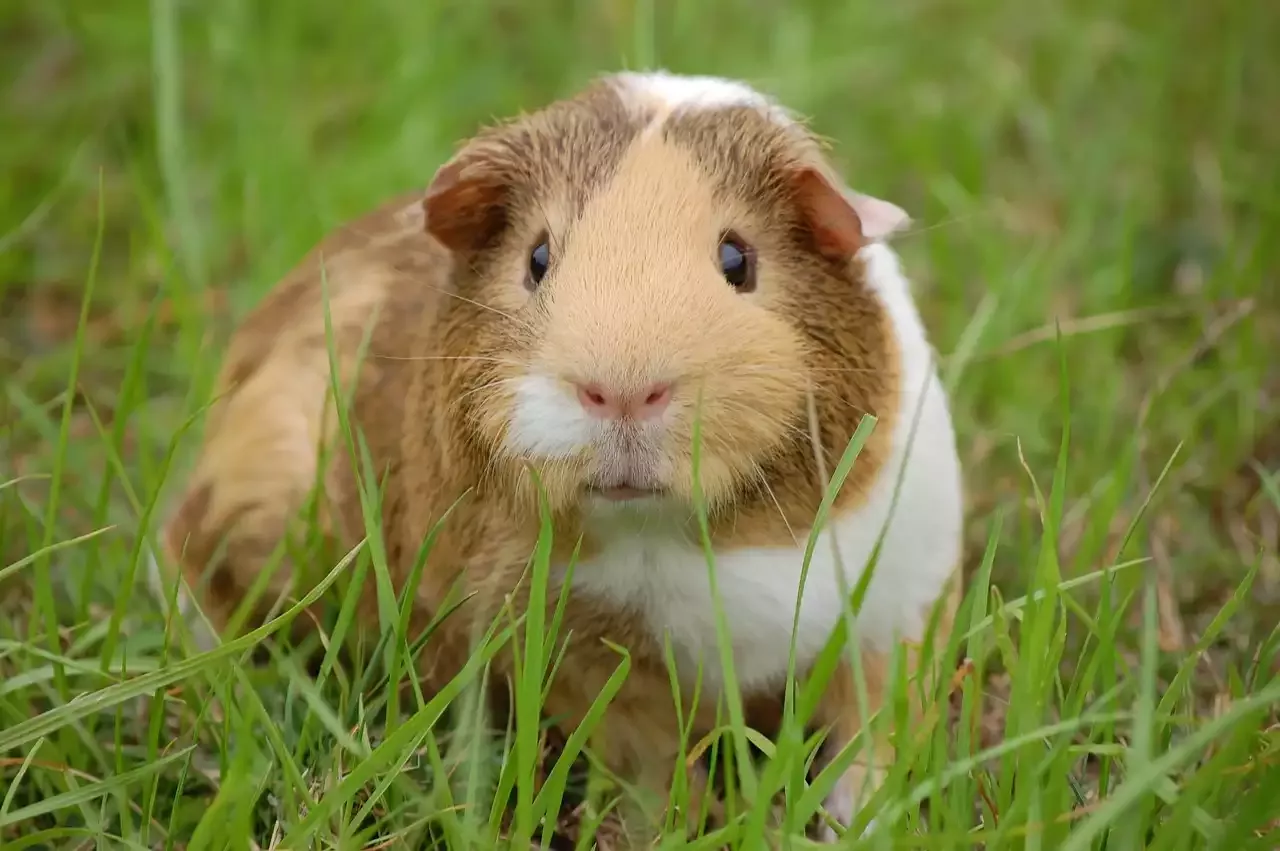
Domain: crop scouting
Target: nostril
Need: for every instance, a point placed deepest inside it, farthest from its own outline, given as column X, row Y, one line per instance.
column 592, row 397
column 652, row 402
column 646, row 404
column 658, row 396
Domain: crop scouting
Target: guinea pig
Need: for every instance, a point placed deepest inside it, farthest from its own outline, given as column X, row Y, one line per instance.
column 574, row 290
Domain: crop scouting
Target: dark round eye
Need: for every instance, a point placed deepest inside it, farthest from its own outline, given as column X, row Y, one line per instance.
column 737, row 263
column 539, row 259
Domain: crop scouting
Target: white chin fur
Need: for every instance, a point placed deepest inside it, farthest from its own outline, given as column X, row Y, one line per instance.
column 547, row 421
column 657, row 571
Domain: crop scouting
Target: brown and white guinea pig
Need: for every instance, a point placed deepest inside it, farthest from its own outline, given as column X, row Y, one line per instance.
column 573, row 288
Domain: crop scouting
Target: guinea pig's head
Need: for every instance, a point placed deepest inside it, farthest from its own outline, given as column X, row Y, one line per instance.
column 654, row 259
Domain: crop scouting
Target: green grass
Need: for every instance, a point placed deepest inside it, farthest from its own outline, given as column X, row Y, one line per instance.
column 1096, row 198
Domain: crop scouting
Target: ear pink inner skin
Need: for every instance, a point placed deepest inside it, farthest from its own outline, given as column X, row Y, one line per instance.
column 880, row 219
column 842, row 219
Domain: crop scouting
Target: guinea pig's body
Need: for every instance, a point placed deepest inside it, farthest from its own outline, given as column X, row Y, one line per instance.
column 574, row 290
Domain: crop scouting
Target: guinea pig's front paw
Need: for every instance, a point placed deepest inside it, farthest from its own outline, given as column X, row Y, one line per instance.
column 842, row 805
column 161, row 588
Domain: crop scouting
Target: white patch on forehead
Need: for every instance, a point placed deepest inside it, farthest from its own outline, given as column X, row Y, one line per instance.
column 675, row 92
column 547, row 421
column 693, row 91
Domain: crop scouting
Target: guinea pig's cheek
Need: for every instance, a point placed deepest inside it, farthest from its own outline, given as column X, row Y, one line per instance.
column 546, row 420
column 716, row 478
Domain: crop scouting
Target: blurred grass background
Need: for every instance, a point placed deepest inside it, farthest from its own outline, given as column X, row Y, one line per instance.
column 1107, row 166
column 1103, row 170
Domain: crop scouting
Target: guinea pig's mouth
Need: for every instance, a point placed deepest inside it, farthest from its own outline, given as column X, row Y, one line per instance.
column 627, row 468
column 623, row 492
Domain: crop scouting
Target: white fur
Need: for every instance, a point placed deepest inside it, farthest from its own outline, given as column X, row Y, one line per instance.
column 679, row 92
column 880, row 219
column 161, row 586
column 648, row 568
column 547, row 421
column 693, row 91
column 843, row 804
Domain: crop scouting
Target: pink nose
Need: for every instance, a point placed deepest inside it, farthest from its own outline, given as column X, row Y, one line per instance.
column 602, row 402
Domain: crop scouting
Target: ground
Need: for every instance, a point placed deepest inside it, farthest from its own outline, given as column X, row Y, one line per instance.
column 1095, row 193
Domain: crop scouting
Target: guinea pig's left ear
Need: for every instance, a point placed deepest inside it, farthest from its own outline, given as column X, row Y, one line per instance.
column 465, row 202
column 841, row 220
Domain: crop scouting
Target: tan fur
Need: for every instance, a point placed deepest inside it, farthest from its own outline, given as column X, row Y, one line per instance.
column 450, row 326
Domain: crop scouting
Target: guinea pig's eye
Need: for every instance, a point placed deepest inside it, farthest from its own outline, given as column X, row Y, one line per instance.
column 737, row 263
column 539, row 260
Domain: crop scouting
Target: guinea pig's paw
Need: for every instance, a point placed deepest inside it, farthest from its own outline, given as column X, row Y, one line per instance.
column 828, row 836
column 842, row 805
column 160, row 586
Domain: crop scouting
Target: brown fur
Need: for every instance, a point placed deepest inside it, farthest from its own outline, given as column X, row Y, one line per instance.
column 448, row 321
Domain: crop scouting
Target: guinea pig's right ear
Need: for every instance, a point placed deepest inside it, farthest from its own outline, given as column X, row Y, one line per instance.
column 841, row 220
column 465, row 204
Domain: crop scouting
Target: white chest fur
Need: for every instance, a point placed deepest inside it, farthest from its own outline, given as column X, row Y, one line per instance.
column 665, row 580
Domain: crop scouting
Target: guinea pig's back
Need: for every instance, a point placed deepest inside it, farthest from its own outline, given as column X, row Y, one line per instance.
column 271, row 419
column 349, row 275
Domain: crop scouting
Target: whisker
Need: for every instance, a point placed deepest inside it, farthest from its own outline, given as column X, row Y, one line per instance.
column 737, row 406
column 491, row 463
column 772, row 496
column 950, row 221
column 757, row 369
column 557, row 247
column 477, row 358
column 517, row 320
column 794, row 431
column 819, row 458
column 484, row 306
column 488, row 385
column 858, row 408
column 836, row 370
